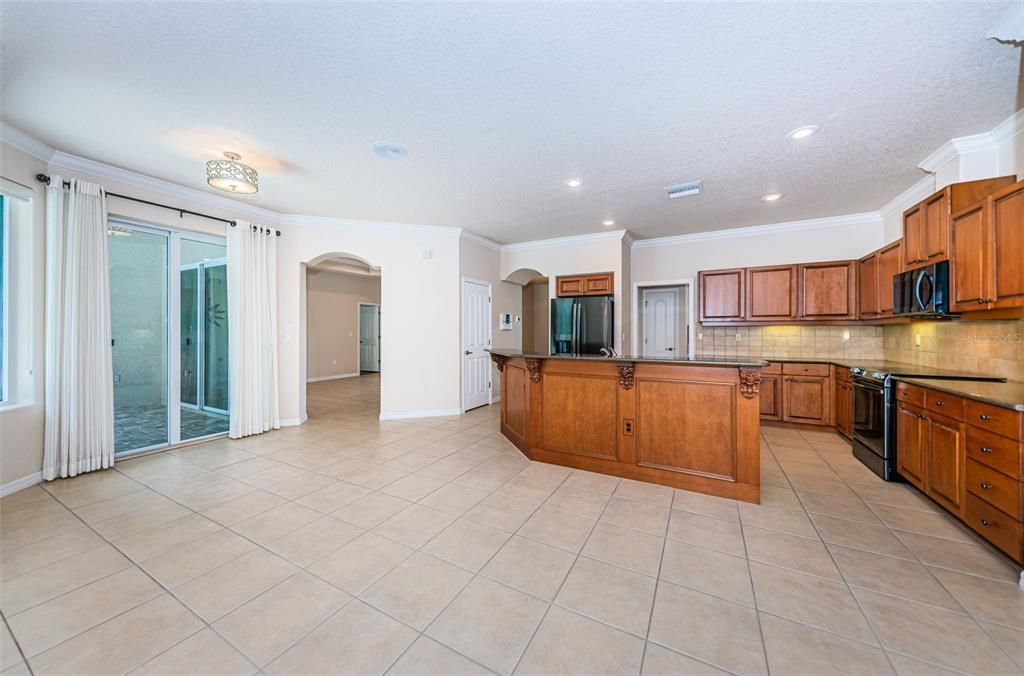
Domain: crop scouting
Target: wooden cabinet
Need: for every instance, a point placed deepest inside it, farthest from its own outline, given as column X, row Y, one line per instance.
column 771, row 397
column 828, row 290
column 910, row 437
column 844, row 407
column 946, row 458
column 927, row 226
column 890, row 264
column 722, row 295
column 585, row 285
column 987, row 241
column 867, row 286
column 771, row 293
column 806, row 399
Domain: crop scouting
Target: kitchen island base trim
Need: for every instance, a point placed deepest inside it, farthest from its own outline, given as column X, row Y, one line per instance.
column 689, row 425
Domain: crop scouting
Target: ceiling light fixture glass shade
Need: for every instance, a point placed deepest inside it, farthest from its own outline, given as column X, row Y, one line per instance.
column 230, row 175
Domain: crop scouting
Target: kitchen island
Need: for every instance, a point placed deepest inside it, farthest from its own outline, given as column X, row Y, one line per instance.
column 691, row 424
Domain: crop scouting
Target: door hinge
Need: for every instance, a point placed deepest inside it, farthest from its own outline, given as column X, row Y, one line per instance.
column 488, row 386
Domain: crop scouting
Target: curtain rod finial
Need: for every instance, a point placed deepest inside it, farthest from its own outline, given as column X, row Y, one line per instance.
column 43, row 178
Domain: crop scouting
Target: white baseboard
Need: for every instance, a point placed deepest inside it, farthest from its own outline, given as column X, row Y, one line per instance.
column 337, row 377
column 435, row 413
column 292, row 422
column 19, row 484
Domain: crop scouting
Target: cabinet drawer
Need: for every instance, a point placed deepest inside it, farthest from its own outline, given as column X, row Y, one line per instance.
column 946, row 404
column 798, row 369
column 843, row 374
column 995, row 488
column 774, row 369
column 995, row 451
column 910, row 394
column 994, row 418
column 995, row 526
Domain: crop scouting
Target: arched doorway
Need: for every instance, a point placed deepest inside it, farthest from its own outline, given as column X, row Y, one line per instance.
column 536, row 309
column 342, row 358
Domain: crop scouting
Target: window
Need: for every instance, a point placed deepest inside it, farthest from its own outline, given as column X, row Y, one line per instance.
column 4, row 284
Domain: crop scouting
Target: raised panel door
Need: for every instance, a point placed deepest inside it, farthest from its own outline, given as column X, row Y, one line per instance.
column 935, row 226
column 844, row 408
column 721, row 295
column 890, row 263
column 913, row 237
column 770, row 397
column 909, row 446
column 771, row 292
column 828, row 291
column 867, row 285
column 597, row 285
column 970, row 259
column 570, row 286
column 585, row 419
column 805, row 399
column 946, row 461
column 1007, row 215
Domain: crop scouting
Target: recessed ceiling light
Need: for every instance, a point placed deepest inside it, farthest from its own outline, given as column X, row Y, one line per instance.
column 609, row 223
column 771, row 197
column 574, row 183
column 802, row 132
column 389, row 151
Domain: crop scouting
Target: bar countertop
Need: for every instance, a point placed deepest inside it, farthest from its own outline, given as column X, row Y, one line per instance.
column 696, row 361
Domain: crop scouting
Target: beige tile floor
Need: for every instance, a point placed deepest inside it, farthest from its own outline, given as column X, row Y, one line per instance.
column 353, row 546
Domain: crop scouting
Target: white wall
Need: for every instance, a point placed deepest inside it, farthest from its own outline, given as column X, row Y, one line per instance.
column 332, row 321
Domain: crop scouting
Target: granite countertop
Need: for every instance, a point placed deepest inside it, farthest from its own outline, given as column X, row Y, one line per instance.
column 1008, row 394
column 704, row 361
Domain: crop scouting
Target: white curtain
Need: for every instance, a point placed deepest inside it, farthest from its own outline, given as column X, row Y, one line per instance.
column 252, row 322
column 79, row 380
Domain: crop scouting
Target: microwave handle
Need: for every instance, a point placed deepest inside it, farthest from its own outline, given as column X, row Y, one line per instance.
column 917, row 289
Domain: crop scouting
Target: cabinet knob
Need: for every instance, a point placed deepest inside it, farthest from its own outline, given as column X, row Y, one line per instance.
column 985, row 486
column 940, row 403
column 986, row 449
column 986, row 523
column 985, row 417
column 981, row 301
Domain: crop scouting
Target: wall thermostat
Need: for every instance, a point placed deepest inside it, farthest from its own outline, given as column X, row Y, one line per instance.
column 505, row 321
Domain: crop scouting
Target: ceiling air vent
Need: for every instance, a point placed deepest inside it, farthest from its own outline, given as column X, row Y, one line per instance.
column 683, row 189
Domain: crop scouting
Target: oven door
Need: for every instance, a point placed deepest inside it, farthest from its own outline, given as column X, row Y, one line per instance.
column 869, row 433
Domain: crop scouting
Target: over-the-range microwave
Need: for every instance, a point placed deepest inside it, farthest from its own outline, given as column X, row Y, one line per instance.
column 922, row 292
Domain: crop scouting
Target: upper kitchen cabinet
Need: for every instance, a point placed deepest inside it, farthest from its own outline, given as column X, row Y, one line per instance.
column 722, row 295
column 828, row 290
column 771, row 293
column 867, row 286
column 927, row 226
column 600, row 284
column 987, row 246
column 874, row 280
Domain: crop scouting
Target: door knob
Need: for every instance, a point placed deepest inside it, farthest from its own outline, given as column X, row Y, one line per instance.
column 469, row 351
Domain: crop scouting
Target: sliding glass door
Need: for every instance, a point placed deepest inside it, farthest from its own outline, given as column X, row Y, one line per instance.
column 168, row 294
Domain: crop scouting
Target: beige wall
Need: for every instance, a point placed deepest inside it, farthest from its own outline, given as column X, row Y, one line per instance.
column 21, row 419
column 991, row 348
column 332, row 321
column 536, row 314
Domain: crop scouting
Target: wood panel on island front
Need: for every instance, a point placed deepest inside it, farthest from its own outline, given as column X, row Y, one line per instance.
column 691, row 425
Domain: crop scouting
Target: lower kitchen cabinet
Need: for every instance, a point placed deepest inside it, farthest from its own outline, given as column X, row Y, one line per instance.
column 805, row 399
column 844, row 408
column 910, row 436
column 771, row 397
column 946, row 462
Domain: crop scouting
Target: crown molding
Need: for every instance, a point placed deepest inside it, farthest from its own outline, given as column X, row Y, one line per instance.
column 25, row 143
column 924, row 187
column 1008, row 128
column 865, row 218
column 565, row 241
column 330, row 221
column 480, row 240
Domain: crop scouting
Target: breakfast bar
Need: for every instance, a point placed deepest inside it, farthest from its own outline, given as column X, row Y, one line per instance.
column 691, row 424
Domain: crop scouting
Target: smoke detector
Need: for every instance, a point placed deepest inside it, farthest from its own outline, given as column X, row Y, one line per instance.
column 684, row 189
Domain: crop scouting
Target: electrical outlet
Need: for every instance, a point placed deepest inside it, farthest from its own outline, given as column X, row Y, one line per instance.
column 917, row 340
column 846, row 336
column 738, row 337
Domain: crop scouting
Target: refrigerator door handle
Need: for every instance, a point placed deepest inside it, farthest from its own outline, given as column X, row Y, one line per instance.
column 583, row 328
column 574, row 347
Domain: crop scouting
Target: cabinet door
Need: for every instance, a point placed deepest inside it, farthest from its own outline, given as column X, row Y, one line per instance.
column 598, row 285
column 867, row 286
column 805, row 400
column 771, row 292
column 972, row 271
column 909, row 445
column 935, row 224
column 946, row 458
column 913, row 237
column 770, row 398
column 570, row 286
column 721, row 295
column 1007, row 226
column 843, row 408
column 828, row 290
column 890, row 264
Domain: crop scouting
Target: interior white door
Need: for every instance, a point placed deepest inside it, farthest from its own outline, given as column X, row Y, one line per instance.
column 369, row 338
column 660, row 322
column 476, row 363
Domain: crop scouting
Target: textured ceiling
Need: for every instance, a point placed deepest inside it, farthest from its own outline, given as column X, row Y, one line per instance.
column 498, row 104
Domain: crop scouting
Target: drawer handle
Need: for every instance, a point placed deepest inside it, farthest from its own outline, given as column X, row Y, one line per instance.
column 986, row 449
column 940, row 403
column 985, row 486
column 986, row 523
column 985, row 417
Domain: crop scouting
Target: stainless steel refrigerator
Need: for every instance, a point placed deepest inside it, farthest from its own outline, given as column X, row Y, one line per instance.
column 582, row 325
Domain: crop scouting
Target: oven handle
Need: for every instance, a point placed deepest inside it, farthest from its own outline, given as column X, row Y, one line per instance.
column 868, row 385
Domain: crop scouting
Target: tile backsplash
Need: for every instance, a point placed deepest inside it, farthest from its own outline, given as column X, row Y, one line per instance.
column 991, row 348
column 780, row 342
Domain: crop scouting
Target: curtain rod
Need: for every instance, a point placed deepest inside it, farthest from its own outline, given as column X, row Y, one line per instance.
column 43, row 178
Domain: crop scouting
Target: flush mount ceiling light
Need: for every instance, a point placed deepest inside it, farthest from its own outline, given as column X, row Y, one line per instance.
column 230, row 175
column 574, row 183
column 389, row 151
column 802, row 132
column 609, row 223
column 771, row 197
